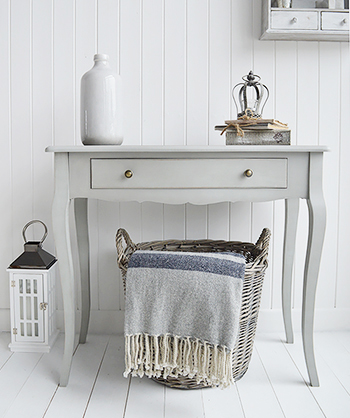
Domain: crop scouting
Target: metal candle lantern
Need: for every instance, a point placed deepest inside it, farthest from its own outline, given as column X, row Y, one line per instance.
column 32, row 297
column 249, row 97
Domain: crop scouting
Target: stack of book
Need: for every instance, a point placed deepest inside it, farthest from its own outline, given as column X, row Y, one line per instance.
column 251, row 131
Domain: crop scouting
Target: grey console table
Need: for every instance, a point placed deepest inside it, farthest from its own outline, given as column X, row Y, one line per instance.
column 204, row 175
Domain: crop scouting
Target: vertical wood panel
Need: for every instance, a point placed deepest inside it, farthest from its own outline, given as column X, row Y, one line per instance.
column 42, row 116
column 196, row 221
column 174, row 71
column 152, row 72
column 130, row 69
column 242, row 20
column 218, row 221
column 108, row 28
column 108, row 274
column 174, row 222
column 343, row 282
column 130, row 219
column 329, row 134
column 85, row 48
column 197, row 72
column 264, row 61
column 219, row 94
column 308, row 94
column 262, row 217
column 6, row 253
column 285, row 83
column 240, row 221
column 151, row 221
column 21, row 119
column 64, row 72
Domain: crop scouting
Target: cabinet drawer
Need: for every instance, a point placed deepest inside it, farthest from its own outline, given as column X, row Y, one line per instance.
column 335, row 21
column 294, row 20
column 188, row 173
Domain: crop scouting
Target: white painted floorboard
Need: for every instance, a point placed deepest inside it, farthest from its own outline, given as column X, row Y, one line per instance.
column 275, row 385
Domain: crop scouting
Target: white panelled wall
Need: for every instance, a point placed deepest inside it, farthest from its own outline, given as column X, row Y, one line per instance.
column 179, row 60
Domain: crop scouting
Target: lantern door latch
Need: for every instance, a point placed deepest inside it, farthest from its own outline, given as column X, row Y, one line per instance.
column 43, row 306
column 14, row 331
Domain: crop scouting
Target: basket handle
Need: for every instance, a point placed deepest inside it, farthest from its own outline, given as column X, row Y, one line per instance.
column 263, row 242
column 123, row 254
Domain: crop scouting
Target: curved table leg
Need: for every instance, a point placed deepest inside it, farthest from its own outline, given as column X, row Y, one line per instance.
column 317, row 225
column 290, row 229
column 60, row 223
column 81, row 224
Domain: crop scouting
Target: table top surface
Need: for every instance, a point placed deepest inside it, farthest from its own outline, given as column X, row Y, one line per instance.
column 185, row 149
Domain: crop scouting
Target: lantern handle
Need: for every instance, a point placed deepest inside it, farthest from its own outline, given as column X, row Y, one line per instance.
column 33, row 222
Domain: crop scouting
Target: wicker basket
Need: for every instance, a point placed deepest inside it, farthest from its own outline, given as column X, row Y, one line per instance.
column 256, row 264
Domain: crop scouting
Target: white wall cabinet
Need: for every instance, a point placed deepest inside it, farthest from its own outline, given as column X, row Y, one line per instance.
column 304, row 24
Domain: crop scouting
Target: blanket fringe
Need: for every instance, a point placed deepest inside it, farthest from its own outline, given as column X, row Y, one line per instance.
column 172, row 356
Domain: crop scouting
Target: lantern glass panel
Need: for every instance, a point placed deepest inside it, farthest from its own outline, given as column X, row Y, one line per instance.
column 28, row 287
column 29, row 329
column 29, row 307
column 36, row 329
column 21, row 286
column 21, row 308
column 35, row 308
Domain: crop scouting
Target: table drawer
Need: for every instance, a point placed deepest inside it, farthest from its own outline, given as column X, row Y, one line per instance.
column 335, row 21
column 188, row 173
column 294, row 20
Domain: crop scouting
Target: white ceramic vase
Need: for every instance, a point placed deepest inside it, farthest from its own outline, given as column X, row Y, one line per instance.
column 101, row 104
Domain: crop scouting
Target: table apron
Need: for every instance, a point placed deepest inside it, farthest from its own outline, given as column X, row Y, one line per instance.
column 87, row 171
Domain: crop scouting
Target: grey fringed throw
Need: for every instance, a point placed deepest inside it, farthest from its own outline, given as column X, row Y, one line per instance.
column 182, row 314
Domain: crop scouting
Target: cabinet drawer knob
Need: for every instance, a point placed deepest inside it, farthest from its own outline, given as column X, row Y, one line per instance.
column 294, row 20
column 344, row 21
column 248, row 173
column 128, row 174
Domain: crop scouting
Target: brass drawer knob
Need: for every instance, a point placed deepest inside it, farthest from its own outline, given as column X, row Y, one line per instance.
column 248, row 173
column 128, row 174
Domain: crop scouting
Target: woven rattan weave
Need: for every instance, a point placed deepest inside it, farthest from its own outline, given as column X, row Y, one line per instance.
column 256, row 264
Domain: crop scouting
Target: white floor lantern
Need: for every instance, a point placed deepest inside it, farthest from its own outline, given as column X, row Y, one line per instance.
column 32, row 297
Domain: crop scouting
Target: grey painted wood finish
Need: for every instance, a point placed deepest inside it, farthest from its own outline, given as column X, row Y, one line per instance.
column 290, row 230
column 81, row 225
column 299, row 167
column 317, row 225
column 60, row 225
